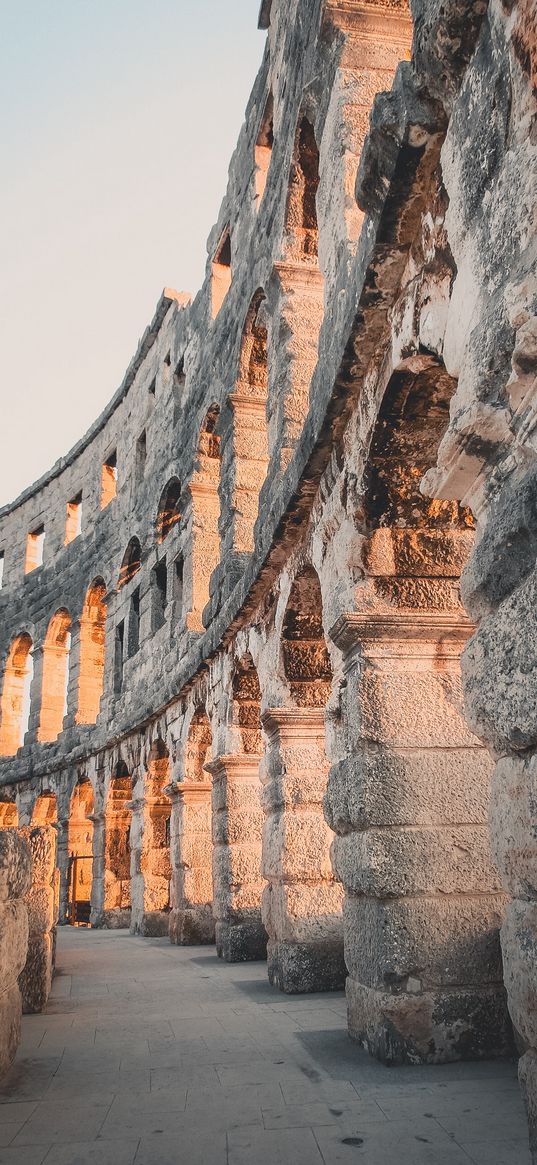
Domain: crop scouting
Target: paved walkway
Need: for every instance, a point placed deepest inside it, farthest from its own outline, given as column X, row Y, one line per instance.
column 156, row 1055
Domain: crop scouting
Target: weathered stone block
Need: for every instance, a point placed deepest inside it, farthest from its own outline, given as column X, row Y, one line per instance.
column 386, row 863
column 35, row 980
column 15, row 865
column 519, row 945
column 513, row 817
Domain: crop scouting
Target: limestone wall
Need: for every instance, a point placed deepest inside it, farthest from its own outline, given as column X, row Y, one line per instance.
column 41, row 899
column 15, row 878
column 260, row 625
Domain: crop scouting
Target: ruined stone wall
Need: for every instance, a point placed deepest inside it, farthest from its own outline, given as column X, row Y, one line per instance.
column 280, row 756
column 15, row 878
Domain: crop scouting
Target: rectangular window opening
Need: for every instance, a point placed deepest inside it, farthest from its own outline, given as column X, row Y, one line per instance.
column 118, row 656
column 134, row 623
column 141, row 457
column 73, row 522
column 159, row 594
column 35, row 545
column 177, row 584
column 109, row 479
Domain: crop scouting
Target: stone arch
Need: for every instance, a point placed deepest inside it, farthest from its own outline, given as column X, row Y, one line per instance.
column 192, row 906
column 56, row 653
column 92, row 653
column 423, row 778
column 9, row 815
column 45, row 810
column 117, row 849
column 131, row 562
column 204, row 492
column 248, row 456
column 15, row 703
column 301, row 228
column 168, row 513
column 303, row 903
column 80, row 848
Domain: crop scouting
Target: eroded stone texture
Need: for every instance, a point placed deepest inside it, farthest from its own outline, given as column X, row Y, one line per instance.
column 252, row 505
column 41, row 900
column 15, row 881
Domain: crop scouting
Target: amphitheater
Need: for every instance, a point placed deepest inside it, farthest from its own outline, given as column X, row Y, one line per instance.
column 266, row 630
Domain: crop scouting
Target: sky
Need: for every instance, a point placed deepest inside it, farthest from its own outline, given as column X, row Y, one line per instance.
column 118, row 119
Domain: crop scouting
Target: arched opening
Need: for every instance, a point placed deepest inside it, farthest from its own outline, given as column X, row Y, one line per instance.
column 248, row 467
column 80, row 848
column 92, row 652
column 117, row 850
column 131, row 563
column 412, row 420
column 204, row 488
column 45, row 810
column 168, row 514
column 301, row 230
column 247, row 704
column 305, row 655
column 15, row 705
column 302, row 909
column 221, row 272
column 192, row 903
column 56, row 649
column 9, row 817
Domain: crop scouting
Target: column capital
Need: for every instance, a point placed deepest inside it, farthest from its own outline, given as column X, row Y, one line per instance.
column 293, row 722
column 237, row 765
column 293, row 275
column 390, row 632
column 188, row 791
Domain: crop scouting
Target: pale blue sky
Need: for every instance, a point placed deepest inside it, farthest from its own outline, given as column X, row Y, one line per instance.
column 118, row 119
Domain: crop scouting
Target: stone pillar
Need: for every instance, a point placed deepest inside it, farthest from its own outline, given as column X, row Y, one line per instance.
column 296, row 340
column 97, row 870
column 35, row 980
column 409, row 804
column 237, row 832
column 150, row 867
column 15, row 879
column 204, row 545
column 191, row 918
column 62, row 862
column 302, row 903
column 116, row 912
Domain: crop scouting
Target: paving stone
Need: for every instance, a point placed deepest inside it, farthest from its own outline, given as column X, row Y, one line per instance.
column 93, row 1153
column 288, row 1147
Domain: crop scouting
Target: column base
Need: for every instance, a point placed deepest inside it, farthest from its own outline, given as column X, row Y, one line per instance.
column 151, row 924
column 241, row 942
column 436, row 1027
column 117, row 918
column 192, row 927
column 304, row 967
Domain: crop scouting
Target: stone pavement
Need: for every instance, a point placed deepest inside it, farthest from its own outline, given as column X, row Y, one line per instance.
column 159, row 1055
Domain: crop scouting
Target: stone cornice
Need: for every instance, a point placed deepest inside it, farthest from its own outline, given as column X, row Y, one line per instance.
column 236, row 765
column 188, row 791
column 370, row 21
column 295, row 721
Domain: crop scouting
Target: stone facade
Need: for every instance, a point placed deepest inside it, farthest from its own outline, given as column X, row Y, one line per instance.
column 235, row 684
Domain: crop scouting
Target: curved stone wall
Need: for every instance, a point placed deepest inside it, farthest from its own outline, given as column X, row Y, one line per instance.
column 246, row 711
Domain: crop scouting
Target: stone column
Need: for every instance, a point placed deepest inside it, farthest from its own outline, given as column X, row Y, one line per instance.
column 150, row 867
column 62, row 862
column 302, row 903
column 97, row 870
column 191, row 918
column 409, row 803
column 35, row 980
column 237, row 831
column 15, row 880
column 296, row 340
